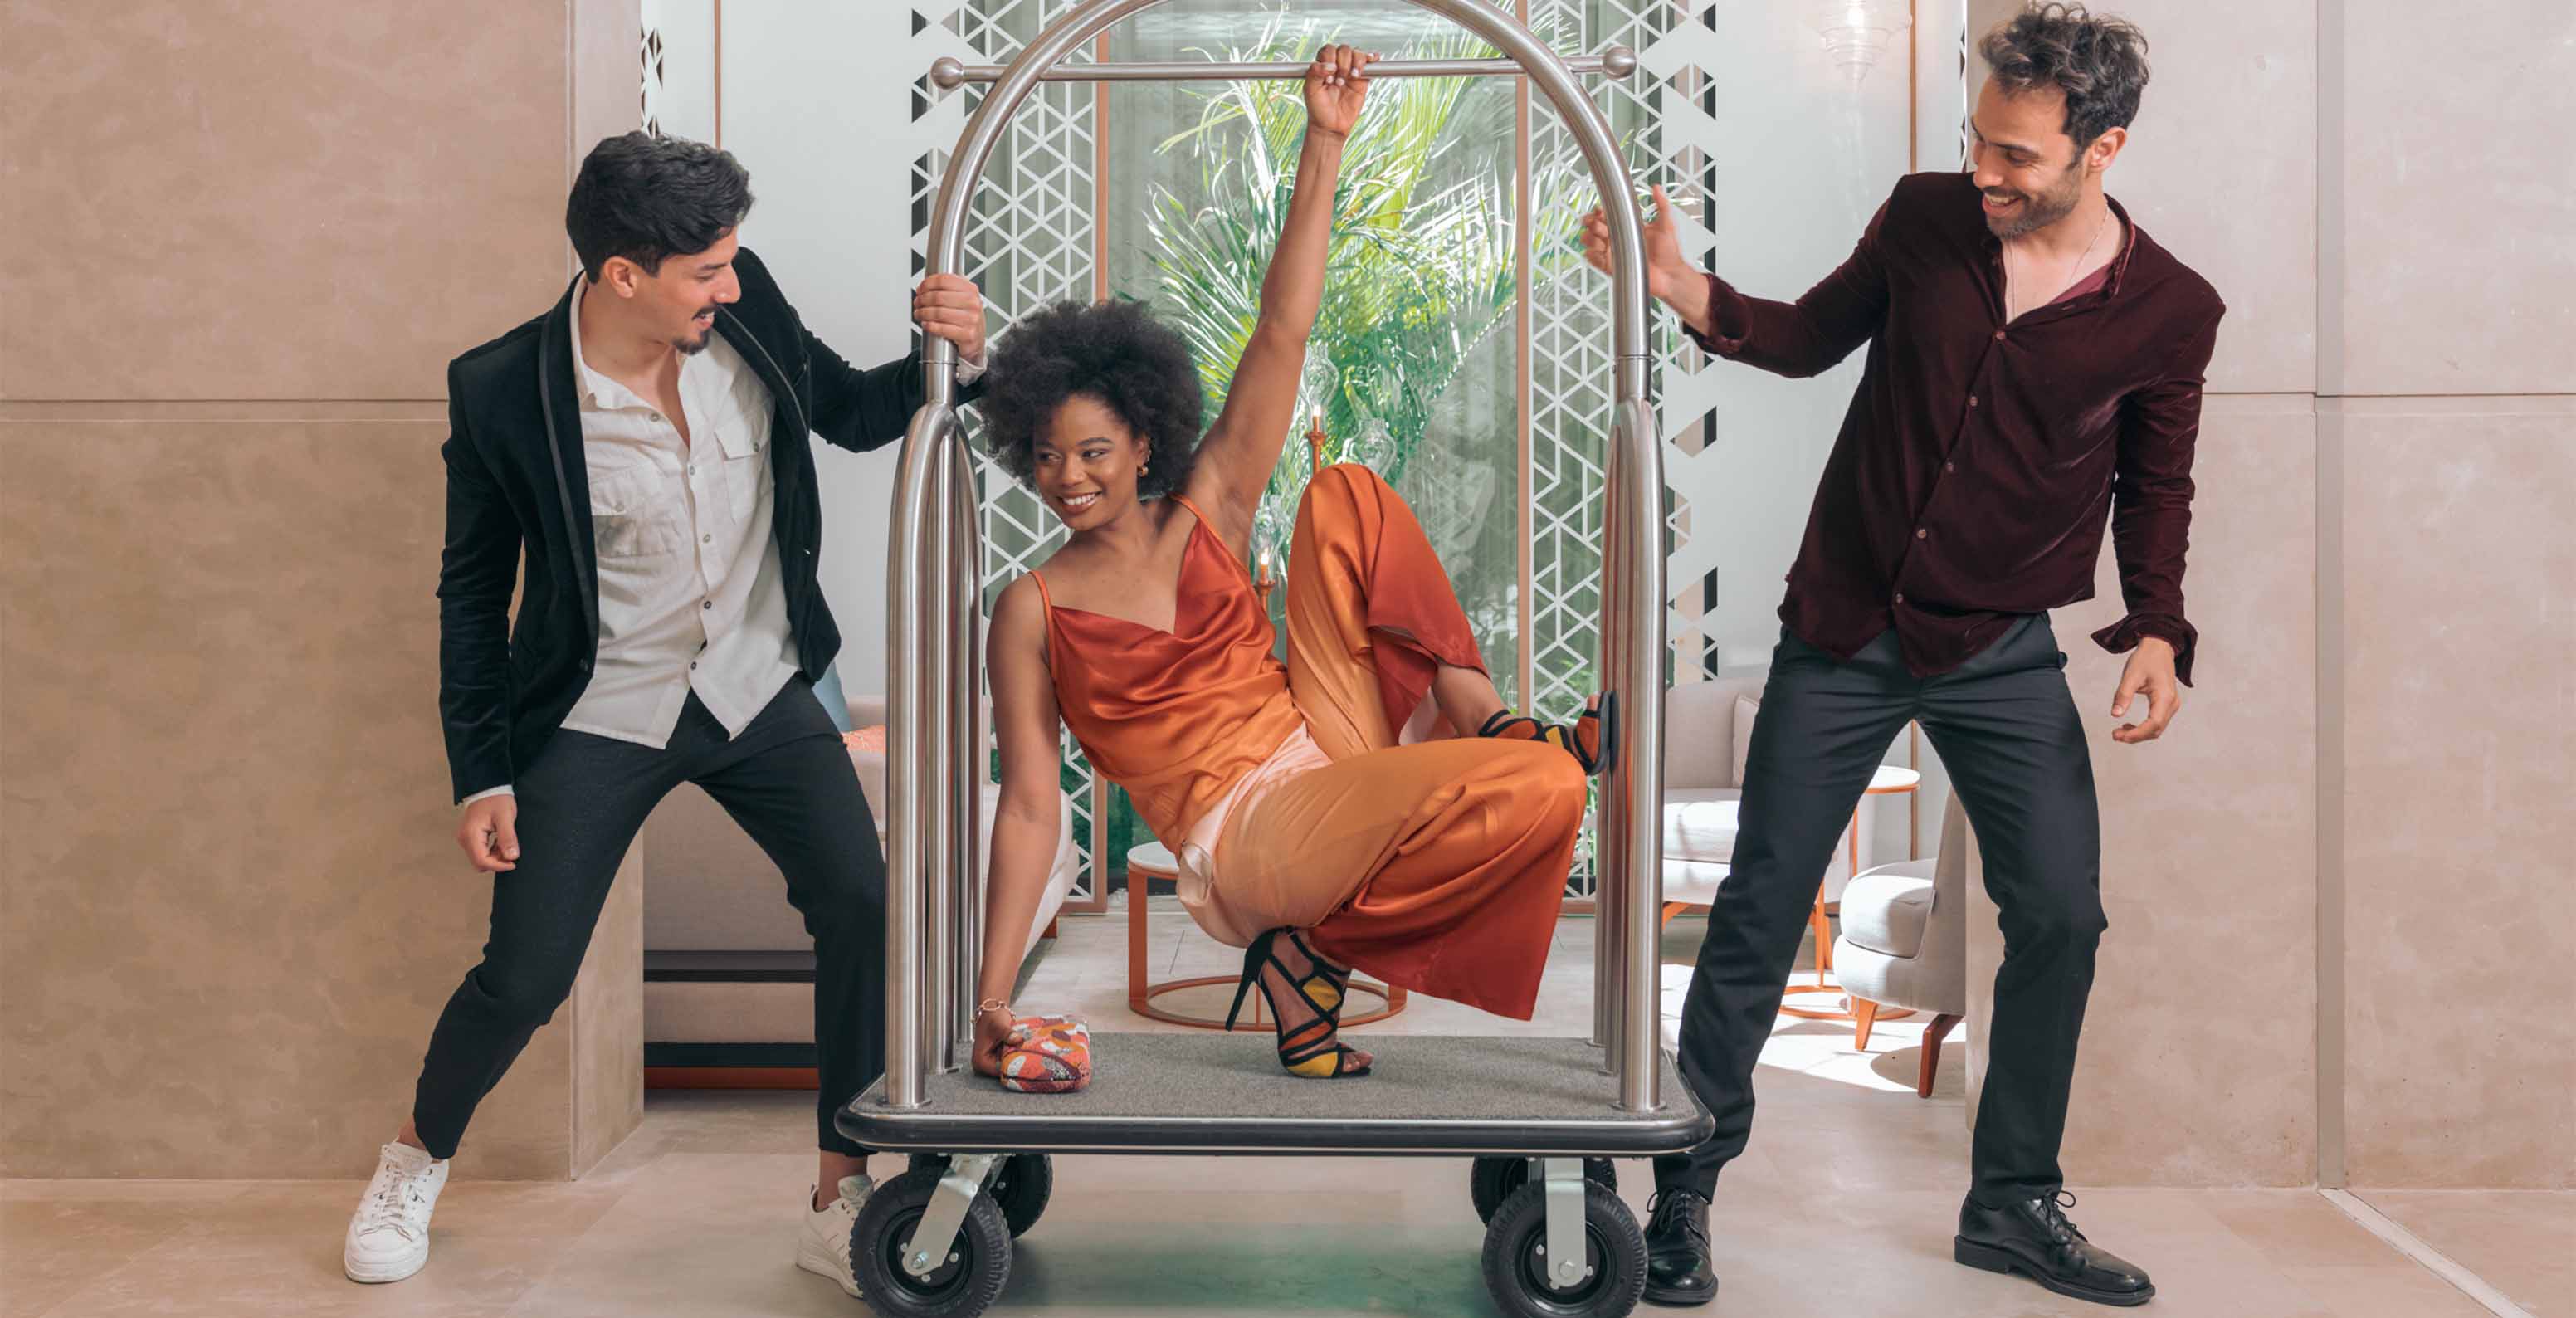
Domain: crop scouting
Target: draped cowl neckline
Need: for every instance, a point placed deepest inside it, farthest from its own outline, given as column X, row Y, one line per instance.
column 1175, row 715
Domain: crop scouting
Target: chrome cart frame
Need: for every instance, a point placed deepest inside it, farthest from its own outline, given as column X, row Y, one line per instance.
column 929, row 1101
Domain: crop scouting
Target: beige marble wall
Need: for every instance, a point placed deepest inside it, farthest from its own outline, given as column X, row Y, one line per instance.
column 230, row 905
column 2449, row 264
column 2198, row 1060
column 2459, row 194
column 2459, row 568
column 2221, row 168
column 274, row 199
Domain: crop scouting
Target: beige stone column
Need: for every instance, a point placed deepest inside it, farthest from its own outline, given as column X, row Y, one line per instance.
column 244, row 242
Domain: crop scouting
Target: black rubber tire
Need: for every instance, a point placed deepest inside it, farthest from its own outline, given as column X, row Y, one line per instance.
column 1614, row 1258
column 1022, row 1187
column 979, row 1260
column 1492, row 1180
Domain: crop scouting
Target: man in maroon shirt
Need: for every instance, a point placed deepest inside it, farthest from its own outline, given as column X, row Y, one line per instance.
column 2035, row 363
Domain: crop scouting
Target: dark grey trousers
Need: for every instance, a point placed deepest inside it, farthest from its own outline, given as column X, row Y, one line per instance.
column 787, row 780
column 2007, row 730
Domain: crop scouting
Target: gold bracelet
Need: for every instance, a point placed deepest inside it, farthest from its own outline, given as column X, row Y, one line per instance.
column 992, row 1004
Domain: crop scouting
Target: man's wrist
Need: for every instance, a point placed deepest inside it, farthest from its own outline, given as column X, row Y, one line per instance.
column 1687, row 295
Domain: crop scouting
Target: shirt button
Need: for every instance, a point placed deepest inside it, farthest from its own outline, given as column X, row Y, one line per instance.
column 1949, row 466
column 693, row 667
column 1900, row 597
column 1972, row 400
column 655, row 415
column 1999, row 336
column 1920, row 533
column 706, row 604
column 706, row 539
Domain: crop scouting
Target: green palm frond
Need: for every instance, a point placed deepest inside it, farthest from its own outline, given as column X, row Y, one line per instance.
column 1422, row 267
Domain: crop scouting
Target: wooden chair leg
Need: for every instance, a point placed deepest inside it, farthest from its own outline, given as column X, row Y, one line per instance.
column 1864, row 1015
column 1824, row 942
column 1051, row 931
column 1933, row 1034
column 1671, row 909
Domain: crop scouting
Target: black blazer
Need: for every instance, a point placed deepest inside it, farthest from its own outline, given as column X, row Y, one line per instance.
column 516, row 480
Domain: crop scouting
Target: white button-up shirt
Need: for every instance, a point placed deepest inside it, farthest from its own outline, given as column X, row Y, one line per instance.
column 690, row 592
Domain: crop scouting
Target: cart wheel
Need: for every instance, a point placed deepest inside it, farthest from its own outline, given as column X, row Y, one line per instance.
column 963, row 1285
column 1022, row 1187
column 1492, row 1180
column 1516, row 1262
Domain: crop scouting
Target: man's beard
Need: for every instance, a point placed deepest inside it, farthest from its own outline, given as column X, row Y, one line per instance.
column 2042, row 210
column 692, row 347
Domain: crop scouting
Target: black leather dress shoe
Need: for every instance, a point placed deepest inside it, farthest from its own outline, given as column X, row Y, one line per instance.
column 1677, row 1266
column 2033, row 1237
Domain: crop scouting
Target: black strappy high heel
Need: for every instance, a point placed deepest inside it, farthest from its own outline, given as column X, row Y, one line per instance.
column 1598, row 725
column 1310, row 1050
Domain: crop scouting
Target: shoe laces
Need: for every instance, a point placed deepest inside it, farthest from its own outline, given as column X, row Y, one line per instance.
column 394, row 1201
column 1668, row 1210
column 2052, row 1215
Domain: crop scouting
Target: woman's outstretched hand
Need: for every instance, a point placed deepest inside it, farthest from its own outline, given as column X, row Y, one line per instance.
column 1335, row 86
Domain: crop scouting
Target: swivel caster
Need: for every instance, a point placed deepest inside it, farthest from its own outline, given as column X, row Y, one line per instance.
column 1022, row 1185
column 958, row 1277
column 1492, row 1180
column 1597, row 1270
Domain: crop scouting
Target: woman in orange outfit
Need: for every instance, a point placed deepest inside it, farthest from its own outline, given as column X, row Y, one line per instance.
column 1324, row 813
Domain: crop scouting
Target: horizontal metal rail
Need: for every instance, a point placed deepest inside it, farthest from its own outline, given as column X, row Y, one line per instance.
column 1614, row 62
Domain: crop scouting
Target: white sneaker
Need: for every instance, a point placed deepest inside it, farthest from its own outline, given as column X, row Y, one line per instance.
column 824, row 1245
column 389, row 1237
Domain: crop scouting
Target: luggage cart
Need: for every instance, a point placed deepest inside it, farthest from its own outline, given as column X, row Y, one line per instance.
column 1541, row 1117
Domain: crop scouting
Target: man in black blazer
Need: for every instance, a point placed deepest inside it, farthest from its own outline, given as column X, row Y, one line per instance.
column 641, row 451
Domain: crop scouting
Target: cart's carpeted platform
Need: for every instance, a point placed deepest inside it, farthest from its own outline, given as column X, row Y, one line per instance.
column 1210, row 1092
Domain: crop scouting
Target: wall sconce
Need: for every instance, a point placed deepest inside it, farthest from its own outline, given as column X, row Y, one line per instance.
column 1856, row 31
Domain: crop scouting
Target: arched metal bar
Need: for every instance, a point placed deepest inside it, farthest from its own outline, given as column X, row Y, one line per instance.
column 932, row 577
column 947, row 72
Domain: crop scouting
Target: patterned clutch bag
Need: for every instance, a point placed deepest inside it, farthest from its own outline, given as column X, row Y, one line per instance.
column 1047, row 1055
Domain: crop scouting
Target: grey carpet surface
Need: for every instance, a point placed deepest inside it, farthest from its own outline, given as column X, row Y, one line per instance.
column 1417, row 1077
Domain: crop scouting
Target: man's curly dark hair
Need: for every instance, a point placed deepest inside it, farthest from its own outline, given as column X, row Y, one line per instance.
column 2099, row 64
column 1115, row 352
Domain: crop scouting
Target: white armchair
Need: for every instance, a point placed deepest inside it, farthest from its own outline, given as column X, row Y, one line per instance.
column 1705, row 736
column 1905, row 942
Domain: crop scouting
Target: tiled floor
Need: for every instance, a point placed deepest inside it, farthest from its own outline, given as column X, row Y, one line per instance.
column 1840, row 1207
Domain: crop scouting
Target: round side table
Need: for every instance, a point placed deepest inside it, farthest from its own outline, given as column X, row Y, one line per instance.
column 1154, row 861
column 1889, row 780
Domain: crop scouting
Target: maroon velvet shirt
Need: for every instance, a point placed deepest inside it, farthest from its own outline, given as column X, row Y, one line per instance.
column 1974, row 472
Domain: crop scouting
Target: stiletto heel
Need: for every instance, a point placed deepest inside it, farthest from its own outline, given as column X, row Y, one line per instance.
column 1255, row 957
column 1310, row 1050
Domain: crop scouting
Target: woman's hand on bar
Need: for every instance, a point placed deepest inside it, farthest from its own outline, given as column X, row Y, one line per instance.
column 1336, row 84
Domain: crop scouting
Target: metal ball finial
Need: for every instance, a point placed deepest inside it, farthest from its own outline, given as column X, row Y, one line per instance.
column 948, row 71
column 1618, row 61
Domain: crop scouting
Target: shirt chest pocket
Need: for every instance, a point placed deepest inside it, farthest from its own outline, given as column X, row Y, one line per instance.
column 635, row 515
column 742, row 435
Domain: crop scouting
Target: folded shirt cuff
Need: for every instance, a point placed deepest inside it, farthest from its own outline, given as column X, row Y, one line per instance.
column 1728, row 314
column 2122, row 637
column 502, row 790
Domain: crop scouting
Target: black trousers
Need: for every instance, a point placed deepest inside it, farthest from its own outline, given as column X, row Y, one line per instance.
column 787, row 780
column 2007, row 730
